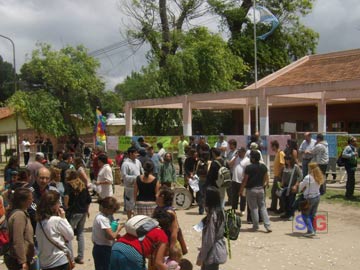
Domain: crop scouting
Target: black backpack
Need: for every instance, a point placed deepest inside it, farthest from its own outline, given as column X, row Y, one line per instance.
column 232, row 227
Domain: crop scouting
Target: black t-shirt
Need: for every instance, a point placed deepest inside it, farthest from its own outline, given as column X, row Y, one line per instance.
column 78, row 201
column 256, row 173
column 146, row 191
column 213, row 173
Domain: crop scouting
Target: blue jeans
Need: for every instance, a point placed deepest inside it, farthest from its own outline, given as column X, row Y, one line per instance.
column 309, row 215
column 256, row 201
column 200, row 195
column 101, row 255
column 77, row 222
column 125, row 257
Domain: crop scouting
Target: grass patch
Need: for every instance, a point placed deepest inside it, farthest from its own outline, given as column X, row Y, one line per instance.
column 338, row 196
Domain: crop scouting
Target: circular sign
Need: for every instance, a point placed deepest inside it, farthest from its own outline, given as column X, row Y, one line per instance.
column 182, row 198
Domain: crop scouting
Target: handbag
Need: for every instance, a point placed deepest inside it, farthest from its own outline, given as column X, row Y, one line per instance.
column 301, row 203
column 71, row 264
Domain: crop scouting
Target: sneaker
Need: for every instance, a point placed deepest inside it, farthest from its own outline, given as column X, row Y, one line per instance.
column 284, row 216
column 271, row 209
column 268, row 229
column 290, row 218
column 309, row 234
column 79, row 261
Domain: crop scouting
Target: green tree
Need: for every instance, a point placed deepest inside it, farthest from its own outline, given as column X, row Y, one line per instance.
column 204, row 63
column 66, row 81
column 290, row 41
column 6, row 80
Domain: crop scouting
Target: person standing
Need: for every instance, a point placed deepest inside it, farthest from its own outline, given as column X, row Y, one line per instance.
column 350, row 154
column 34, row 166
column 105, row 179
column 310, row 187
column 130, row 169
column 76, row 203
column 182, row 144
column 305, row 149
column 321, row 157
column 21, row 234
column 213, row 173
column 213, row 251
column 167, row 173
column 53, row 228
column 155, row 158
column 255, row 179
column 26, row 150
column 279, row 163
column 230, row 155
column 161, row 151
column 237, row 170
column 145, row 189
column 222, row 145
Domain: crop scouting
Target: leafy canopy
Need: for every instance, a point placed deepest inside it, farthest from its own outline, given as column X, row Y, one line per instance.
column 60, row 90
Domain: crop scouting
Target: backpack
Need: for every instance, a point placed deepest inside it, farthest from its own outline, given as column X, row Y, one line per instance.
column 224, row 176
column 140, row 225
column 232, row 226
column 340, row 161
column 202, row 168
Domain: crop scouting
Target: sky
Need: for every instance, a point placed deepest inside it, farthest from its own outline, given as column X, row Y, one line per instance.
column 97, row 24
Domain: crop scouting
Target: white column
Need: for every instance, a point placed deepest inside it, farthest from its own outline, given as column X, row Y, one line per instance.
column 247, row 120
column 128, row 120
column 322, row 114
column 264, row 121
column 187, row 117
column 264, row 113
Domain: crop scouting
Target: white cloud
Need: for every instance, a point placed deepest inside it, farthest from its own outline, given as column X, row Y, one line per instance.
column 97, row 24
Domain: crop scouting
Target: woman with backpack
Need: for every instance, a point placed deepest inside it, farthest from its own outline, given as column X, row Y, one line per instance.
column 129, row 252
column 213, row 247
column 21, row 234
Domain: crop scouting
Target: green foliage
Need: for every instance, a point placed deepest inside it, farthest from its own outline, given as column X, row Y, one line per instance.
column 290, row 41
column 204, row 63
column 40, row 110
column 6, row 80
column 68, row 82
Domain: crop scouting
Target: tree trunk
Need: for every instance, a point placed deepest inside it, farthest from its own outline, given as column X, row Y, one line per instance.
column 166, row 42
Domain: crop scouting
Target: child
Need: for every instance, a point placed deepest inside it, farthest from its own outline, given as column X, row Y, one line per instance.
column 213, row 247
column 173, row 260
column 102, row 235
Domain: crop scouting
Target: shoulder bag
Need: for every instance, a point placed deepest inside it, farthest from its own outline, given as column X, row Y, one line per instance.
column 71, row 264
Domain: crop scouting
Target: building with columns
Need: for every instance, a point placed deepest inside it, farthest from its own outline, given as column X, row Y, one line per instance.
column 318, row 92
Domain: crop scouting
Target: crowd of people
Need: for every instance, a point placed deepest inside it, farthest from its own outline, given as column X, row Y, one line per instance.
column 47, row 203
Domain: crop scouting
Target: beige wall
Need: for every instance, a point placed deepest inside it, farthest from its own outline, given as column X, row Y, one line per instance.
column 8, row 124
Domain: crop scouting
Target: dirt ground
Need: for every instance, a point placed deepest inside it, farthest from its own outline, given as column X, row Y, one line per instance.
column 336, row 247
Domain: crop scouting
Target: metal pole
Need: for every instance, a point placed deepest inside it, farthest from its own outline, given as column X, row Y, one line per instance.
column 15, row 89
column 255, row 73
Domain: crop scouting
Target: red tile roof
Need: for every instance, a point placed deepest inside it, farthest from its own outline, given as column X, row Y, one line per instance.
column 5, row 112
column 331, row 67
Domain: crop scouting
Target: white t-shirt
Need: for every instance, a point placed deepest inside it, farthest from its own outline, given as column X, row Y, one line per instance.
column 220, row 145
column 312, row 188
column 238, row 170
column 26, row 146
column 101, row 222
column 105, row 174
column 162, row 153
column 59, row 230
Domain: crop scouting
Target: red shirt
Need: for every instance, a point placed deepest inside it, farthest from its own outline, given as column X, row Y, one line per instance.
column 155, row 236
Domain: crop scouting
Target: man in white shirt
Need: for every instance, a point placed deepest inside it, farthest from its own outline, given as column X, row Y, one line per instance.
column 130, row 169
column 305, row 149
column 237, row 165
column 26, row 149
column 104, row 179
column 222, row 145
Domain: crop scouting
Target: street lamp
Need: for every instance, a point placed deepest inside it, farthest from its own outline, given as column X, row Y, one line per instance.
column 15, row 89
